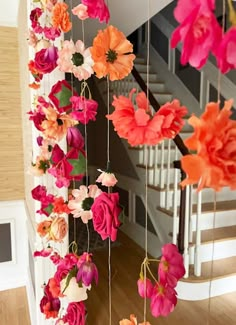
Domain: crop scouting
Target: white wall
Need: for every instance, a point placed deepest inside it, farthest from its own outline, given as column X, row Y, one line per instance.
column 9, row 12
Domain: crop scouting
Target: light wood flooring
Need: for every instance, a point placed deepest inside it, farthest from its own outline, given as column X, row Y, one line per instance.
column 126, row 260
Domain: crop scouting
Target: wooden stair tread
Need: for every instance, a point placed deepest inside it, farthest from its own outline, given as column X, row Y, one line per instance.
column 152, row 167
column 217, row 234
column 221, row 268
column 207, row 207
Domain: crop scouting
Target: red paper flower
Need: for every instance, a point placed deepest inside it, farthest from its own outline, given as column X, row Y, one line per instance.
column 75, row 314
column 97, row 9
column 163, row 300
column 48, row 305
column 60, row 95
column 214, row 164
column 106, row 211
column 46, row 60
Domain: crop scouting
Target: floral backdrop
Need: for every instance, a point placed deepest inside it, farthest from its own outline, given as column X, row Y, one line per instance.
column 57, row 114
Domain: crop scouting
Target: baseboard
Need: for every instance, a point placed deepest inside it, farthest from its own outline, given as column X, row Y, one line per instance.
column 31, row 299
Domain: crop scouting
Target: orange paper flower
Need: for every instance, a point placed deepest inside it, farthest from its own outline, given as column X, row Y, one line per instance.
column 112, row 54
column 214, row 140
column 132, row 321
column 60, row 17
column 43, row 227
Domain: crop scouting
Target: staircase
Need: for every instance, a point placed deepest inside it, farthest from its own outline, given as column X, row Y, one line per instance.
column 209, row 237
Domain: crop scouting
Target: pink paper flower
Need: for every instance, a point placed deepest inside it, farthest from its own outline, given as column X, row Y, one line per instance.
column 32, row 39
column 58, row 230
column 81, row 11
column 97, row 9
column 83, row 199
column 39, row 193
column 171, row 267
column 44, row 252
column 84, row 110
column 87, row 272
column 106, row 178
column 106, row 211
column 163, row 300
column 225, row 54
column 141, row 288
column 199, row 31
column 51, row 33
column 76, row 59
column 64, row 265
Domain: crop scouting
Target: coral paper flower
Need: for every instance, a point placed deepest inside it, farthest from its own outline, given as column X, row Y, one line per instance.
column 60, row 17
column 84, row 110
column 214, row 164
column 112, row 54
column 49, row 305
column 225, row 54
column 58, row 229
column 76, row 59
column 132, row 321
column 97, row 9
column 171, row 267
column 139, row 127
column 83, row 199
column 106, row 211
column 199, row 31
column 163, row 300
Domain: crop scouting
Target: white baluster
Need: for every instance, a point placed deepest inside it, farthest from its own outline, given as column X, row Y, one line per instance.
column 175, row 202
column 190, row 214
column 197, row 257
column 155, row 171
column 162, row 179
column 167, row 201
column 186, row 233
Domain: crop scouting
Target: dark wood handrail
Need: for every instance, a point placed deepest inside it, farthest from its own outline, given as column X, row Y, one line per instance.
column 178, row 140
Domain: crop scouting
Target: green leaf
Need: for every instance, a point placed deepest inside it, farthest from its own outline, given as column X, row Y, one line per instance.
column 71, row 274
column 49, row 208
column 64, row 96
column 78, row 164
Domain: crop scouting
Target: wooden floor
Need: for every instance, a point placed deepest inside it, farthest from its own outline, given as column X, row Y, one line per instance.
column 126, row 260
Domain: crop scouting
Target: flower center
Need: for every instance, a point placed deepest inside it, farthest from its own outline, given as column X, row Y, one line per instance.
column 200, row 27
column 77, row 59
column 161, row 290
column 111, row 56
column 44, row 165
column 165, row 266
column 59, row 121
column 87, row 203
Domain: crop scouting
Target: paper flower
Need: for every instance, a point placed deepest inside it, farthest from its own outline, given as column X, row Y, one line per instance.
column 60, row 17
column 74, row 138
column 163, row 300
column 97, row 9
column 199, row 31
column 225, row 54
column 214, row 164
column 139, row 126
column 45, row 60
column 75, row 314
column 73, row 291
column 106, row 211
column 76, row 59
column 81, row 11
column 112, row 58
column 132, row 321
column 106, row 178
column 82, row 201
column 60, row 95
column 49, row 305
column 84, row 110
column 145, row 284
column 87, row 272
column 171, row 266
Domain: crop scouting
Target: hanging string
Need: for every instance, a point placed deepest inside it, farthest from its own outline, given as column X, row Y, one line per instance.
column 108, row 123
column 146, row 170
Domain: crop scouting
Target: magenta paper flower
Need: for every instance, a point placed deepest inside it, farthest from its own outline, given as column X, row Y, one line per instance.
column 163, row 300
column 141, row 288
column 44, row 252
column 83, row 199
column 106, row 211
column 199, row 31
column 97, row 9
column 76, row 59
column 225, row 54
column 60, row 95
column 65, row 265
column 51, row 33
column 106, row 178
column 74, row 138
column 34, row 18
column 46, row 59
column 84, row 110
column 75, row 314
column 87, row 272
column 39, row 193
column 37, row 115
column 171, row 267
column 49, row 305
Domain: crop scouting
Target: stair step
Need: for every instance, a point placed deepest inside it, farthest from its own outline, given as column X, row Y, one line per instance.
column 156, row 87
column 217, row 234
column 140, row 60
column 207, row 207
column 152, row 77
column 163, row 98
column 143, row 68
column 221, row 268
